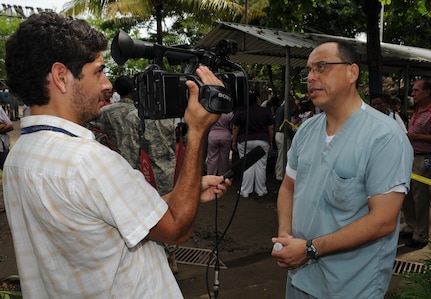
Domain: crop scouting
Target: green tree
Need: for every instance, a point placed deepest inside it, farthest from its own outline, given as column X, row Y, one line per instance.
column 7, row 27
column 143, row 10
column 109, row 29
column 403, row 20
column 341, row 17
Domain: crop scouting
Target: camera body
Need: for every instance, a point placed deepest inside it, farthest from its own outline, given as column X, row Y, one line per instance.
column 159, row 94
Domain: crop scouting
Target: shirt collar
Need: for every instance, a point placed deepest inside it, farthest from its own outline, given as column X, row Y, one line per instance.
column 427, row 108
column 54, row 121
column 126, row 100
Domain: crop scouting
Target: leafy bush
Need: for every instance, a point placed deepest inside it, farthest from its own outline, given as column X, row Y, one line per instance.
column 10, row 288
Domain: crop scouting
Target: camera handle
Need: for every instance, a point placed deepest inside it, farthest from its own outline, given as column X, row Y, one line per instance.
column 214, row 98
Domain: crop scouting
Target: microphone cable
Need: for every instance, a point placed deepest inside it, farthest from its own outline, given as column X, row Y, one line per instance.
column 215, row 250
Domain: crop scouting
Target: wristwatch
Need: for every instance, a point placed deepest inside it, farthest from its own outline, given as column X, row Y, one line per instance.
column 311, row 251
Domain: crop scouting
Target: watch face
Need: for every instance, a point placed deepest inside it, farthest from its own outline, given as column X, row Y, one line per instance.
column 312, row 252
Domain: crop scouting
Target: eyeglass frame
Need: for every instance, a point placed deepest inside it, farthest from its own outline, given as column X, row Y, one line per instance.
column 320, row 66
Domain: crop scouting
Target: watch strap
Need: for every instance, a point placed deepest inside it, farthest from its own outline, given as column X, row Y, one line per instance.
column 311, row 251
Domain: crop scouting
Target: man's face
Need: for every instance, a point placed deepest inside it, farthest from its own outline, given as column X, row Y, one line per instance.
column 379, row 104
column 107, row 94
column 420, row 96
column 88, row 91
column 329, row 76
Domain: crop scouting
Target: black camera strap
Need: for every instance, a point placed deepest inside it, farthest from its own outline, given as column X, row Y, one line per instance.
column 215, row 98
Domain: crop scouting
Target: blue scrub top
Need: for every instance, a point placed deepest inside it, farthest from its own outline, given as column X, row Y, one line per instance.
column 369, row 155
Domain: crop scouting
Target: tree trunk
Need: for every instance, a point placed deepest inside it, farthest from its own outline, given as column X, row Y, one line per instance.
column 159, row 10
column 374, row 55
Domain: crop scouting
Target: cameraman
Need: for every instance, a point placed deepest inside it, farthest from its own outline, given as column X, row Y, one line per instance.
column 85, row 224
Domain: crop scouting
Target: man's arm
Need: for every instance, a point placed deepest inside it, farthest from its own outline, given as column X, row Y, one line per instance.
column 419, row 137
column 4, row 128
column 176, row 225
column 271, row 135
column 379, row 222
column 285, row 206
column 235, row 132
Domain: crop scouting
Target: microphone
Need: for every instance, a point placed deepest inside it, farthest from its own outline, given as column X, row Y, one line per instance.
column 250, row 158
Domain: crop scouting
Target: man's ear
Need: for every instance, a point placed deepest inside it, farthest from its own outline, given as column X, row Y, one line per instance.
column 354, row 71
column 59, row 76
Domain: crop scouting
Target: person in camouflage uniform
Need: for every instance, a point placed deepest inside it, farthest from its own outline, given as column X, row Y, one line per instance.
column 110, row 126
column 133, row 139
column 14, row 108
column 157, row 139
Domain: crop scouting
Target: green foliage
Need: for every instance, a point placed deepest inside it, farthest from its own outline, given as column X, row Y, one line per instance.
column 316, row 16
column 187, row 29
column 110, row 28
column 7, row 27
column 403, row 20
column 6, row 294
column 418, row 284
column 10, row 294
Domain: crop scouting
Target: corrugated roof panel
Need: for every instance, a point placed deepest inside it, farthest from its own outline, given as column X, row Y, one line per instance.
column 268, row 46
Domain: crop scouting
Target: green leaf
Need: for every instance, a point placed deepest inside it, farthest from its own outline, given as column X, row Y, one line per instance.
column 7, row 294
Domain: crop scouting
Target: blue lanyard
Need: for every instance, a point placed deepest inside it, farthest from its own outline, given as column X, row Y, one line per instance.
column 33, row 129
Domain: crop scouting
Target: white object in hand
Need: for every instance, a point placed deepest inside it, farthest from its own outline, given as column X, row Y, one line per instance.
column 277, row 246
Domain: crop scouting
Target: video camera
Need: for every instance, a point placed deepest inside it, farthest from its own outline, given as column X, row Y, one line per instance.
column 160, row 94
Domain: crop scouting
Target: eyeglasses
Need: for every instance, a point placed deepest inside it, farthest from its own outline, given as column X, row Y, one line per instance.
column 320, row 66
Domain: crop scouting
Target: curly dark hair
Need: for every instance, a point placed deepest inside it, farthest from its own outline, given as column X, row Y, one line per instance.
column 38, row 43
column 123, row 85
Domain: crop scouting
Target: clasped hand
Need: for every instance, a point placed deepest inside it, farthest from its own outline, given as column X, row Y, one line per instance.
column 292, row 255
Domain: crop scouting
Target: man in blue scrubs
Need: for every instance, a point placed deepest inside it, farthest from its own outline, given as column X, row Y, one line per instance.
column 339, row 203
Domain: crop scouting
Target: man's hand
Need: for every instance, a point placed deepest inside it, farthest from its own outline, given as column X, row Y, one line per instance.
column 292, row 255
column 212, row 185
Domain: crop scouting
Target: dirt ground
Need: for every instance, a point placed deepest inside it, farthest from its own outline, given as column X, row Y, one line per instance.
column 245, row 250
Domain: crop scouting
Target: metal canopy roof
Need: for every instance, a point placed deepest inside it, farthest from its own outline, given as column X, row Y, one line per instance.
column 268, row 47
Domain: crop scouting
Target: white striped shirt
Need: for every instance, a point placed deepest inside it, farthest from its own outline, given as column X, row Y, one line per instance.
column 79, row 215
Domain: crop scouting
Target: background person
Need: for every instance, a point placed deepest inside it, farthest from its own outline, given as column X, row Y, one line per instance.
column 93, row 226
column 396, row 107
column 417, row 203
column 107, row 95
column 260, row 132
column 13, row 107
column 5, row 127
column 4, row 98
column 381, row 102
column 109, row 128
column 279, row 140
column 115, row 97
column 219, row 145
column 339, row 203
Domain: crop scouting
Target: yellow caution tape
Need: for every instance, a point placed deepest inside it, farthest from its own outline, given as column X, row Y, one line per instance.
column 288, row 122
column 421, row 179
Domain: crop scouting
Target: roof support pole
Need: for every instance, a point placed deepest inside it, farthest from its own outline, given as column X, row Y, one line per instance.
column 286, row 106
column 407, row 88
